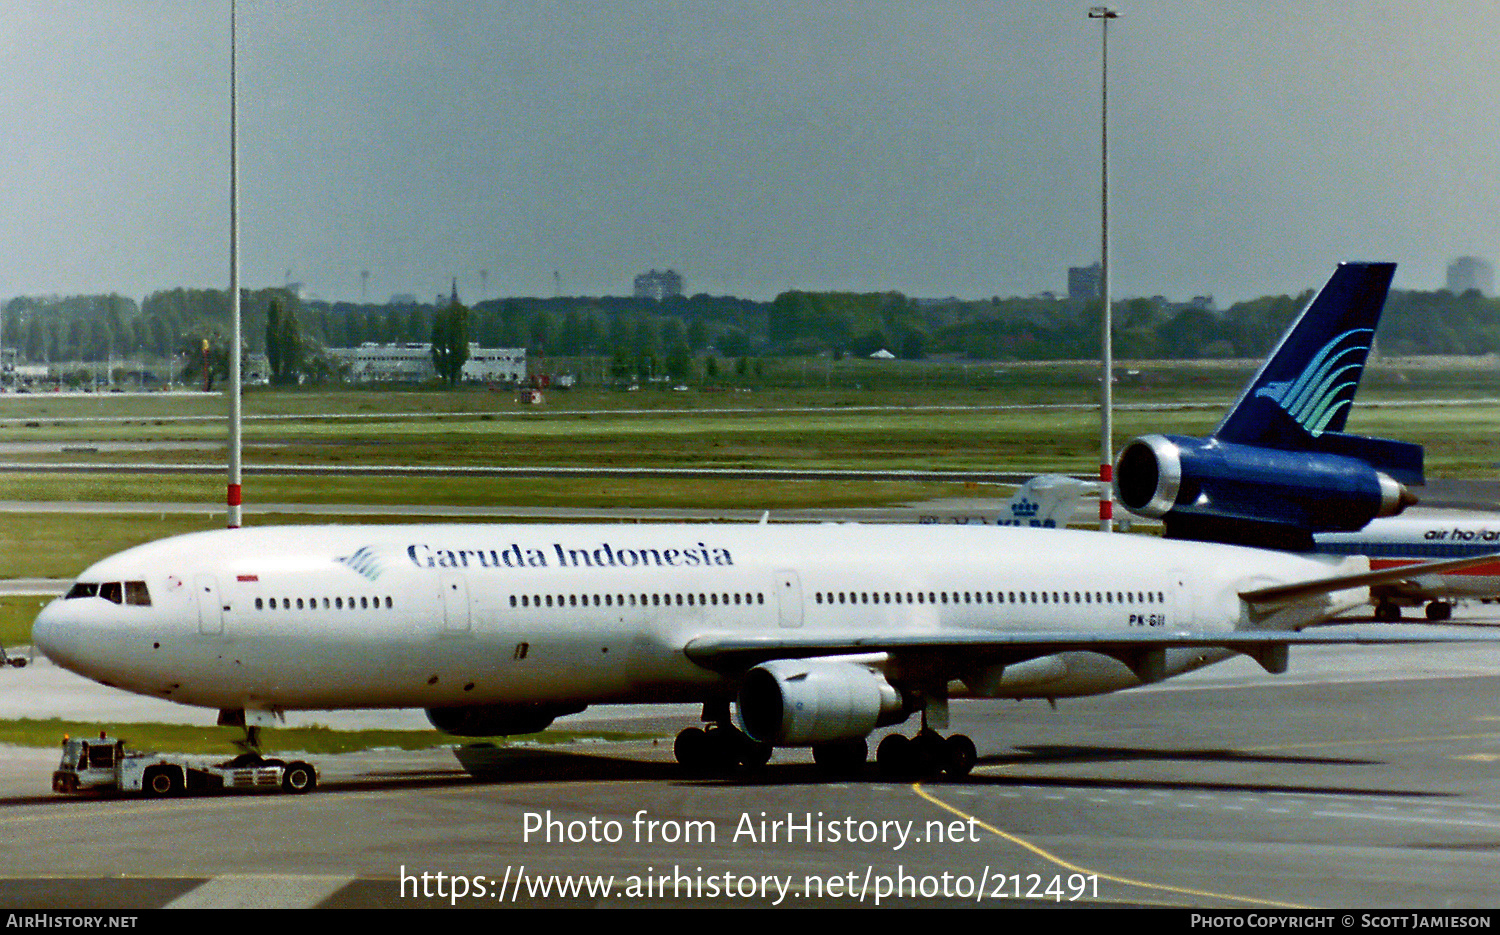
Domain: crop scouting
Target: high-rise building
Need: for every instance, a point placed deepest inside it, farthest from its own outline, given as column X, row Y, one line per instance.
column 658, row 285
column 1470, row 272
column 1085, row 282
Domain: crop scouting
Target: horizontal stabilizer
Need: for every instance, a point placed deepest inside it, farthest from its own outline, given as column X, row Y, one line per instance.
column 1400, row 460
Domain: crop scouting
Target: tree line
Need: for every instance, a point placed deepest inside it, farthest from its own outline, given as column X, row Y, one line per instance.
column 645, row 337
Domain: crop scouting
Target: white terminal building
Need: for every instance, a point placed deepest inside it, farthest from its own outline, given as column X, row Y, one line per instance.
column 412, row 363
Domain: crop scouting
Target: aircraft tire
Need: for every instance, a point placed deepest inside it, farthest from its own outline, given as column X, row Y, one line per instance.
column 753, row 754
column 960, row 756
column 691, row 748
column 1387, row 612
column 894, row 756
column 1439, row 610
column 930, row 753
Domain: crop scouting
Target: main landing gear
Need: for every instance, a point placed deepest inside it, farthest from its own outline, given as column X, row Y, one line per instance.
column 719, row 747
column 927, row 754
column 1389, row 611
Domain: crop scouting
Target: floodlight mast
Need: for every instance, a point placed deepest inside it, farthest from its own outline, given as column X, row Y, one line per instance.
column 232, row 498
column 1106, row 327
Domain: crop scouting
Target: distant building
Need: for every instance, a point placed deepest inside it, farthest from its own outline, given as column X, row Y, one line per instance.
column 412, row 363
column 1470, row 272
column 1085, row 282
column 658, row 285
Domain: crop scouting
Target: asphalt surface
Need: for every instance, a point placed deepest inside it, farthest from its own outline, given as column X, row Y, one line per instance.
column 1362, row 778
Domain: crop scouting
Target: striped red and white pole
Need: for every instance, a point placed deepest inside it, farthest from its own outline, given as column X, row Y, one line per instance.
column 1106, row 498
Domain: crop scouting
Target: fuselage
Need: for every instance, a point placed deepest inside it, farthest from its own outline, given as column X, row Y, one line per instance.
column 434, row 616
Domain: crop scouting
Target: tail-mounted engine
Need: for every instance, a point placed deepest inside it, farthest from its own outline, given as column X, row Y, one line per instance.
column 1209, row 489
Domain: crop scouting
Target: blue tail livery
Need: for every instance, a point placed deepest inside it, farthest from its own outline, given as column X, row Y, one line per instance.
column 1280, row 468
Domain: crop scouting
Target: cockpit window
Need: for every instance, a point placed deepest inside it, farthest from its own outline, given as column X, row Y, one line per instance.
column 116, row 592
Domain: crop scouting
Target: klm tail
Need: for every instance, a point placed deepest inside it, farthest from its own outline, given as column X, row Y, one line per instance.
column 1047, row 500
column 1300, row 399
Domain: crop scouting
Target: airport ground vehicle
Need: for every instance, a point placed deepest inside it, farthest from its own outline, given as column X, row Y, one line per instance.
column 103, row 764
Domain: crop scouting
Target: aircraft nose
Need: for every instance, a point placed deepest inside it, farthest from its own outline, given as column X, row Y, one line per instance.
column 52, row 633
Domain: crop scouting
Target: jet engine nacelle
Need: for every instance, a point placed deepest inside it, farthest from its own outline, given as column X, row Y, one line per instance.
column 1223, row 491
column 798, row 702
column 497, row 720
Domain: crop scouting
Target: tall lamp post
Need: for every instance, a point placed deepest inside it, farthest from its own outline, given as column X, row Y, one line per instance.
column 1106, row 328
column 232, row 496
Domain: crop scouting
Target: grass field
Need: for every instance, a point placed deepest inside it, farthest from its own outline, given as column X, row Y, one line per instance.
column 219, row 741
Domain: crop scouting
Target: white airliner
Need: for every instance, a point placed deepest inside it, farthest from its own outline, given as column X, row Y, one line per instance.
column 1399, row 542
column 815, row 634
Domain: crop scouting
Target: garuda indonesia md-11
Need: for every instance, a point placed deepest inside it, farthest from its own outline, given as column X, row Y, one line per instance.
column 788, row 635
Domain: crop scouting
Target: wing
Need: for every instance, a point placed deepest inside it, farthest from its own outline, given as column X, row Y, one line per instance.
column 1142, row 650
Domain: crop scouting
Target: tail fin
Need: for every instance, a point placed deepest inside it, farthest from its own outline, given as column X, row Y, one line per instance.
column 1305, row 388
column 1045, row 500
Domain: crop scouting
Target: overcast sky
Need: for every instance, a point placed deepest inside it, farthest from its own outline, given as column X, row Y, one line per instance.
column 934, row 148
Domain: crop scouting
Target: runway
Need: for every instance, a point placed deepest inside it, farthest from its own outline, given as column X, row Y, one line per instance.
column 1362, row 778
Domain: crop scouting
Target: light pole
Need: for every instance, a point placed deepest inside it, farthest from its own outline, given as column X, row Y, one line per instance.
column 232, row 496
column 1106, row 328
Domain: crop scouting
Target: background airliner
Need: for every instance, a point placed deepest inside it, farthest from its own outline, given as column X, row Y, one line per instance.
column 1279, row 472
column 1405, row 541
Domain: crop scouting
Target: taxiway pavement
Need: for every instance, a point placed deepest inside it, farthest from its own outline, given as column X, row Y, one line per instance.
column 1365, row 777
